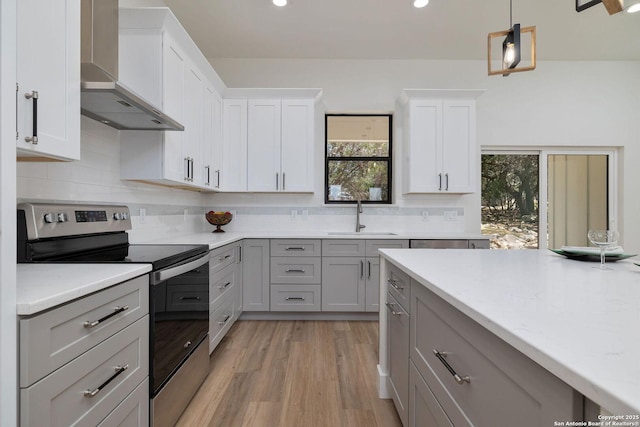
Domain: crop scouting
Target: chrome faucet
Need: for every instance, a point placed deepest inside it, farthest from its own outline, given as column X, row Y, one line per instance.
column 358, row 212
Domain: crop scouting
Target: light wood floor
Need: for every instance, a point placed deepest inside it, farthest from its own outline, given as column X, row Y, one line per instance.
column 293, row 374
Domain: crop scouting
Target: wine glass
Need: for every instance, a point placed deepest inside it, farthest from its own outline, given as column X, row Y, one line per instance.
column 603, row 239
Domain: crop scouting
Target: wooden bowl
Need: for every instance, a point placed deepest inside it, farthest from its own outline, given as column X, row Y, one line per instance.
column 218, row 219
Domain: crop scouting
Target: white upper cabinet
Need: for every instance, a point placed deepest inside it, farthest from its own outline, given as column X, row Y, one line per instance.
column 159, row 60
column 232, row 175
column 280, row 141
column 440, row 148
column 48, row 86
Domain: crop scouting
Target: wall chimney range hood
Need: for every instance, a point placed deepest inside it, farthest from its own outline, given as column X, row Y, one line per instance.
column 103, row 97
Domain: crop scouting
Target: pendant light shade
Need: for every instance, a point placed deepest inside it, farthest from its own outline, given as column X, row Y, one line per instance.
column 511, row 49
column 419, row 3
column 632, row 6
column 280, row 3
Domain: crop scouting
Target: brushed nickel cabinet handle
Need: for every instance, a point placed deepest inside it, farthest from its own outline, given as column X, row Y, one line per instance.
column 393, row 283
column 222, row 258
column 283, row 182
column 93, row 323
column 189, row 298
column 119, row 370
column 446, row 181
column 294, row 270
column 294, row 248
column 226, row 318
column 225, row 286
column 218, row 178
column 369, row 269
column 34, row 97
column 208, row 168
column 294, row 299
column 277, row 181
column 440, row 182
column 459, row 379
column 390, row 306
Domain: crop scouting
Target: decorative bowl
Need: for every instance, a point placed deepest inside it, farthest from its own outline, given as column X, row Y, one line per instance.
column 218, row 219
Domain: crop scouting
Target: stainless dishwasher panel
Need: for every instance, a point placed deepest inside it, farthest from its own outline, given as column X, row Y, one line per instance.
column 439, row 244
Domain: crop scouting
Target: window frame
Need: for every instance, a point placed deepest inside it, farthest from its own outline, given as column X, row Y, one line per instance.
column 388, row 160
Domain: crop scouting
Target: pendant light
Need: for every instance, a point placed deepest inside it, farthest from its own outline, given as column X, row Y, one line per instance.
column 632, row 6
column 511, row 47
column 280, row 3
column 419, row 3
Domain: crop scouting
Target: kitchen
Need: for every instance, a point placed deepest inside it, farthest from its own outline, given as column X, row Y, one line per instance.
column 580, row 116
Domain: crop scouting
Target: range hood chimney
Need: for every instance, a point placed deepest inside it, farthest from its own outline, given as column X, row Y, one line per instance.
column 103, row 98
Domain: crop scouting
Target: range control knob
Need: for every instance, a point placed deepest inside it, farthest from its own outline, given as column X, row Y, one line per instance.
column 48, row 218
column 62, row 217
column 117, row 216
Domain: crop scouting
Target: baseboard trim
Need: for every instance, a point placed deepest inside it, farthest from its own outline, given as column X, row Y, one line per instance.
column 268, row 315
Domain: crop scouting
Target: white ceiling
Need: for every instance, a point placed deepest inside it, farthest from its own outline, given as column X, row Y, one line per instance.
column 393, row 29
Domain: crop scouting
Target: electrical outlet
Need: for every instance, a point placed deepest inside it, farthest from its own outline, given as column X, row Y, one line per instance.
column 143, row 215
column 450, row 215
column 425, row 216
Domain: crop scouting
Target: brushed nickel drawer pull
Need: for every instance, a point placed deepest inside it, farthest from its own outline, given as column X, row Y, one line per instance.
column 33, row 96
column 187, row 344
column 294, row 248
column 117, row 310
column 222, row 258
column 119, row 370
column 226, row 318
column 393, row 283
column 224, row 286
column 294, row 299
column 294, row 270
column 189, row 298
column 390, row 305
column 460, row 380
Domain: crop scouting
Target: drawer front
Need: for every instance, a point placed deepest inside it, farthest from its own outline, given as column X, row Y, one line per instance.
column 220, row 320
column 372, row 245
column 133, row 411
column 187, row 297
column 296, row 247
column 222, row 257
column 58, row 336
column 295, row 298
column 343, row 247
column 424, row 409
column 502, row 383
column 440, row 244
column 398, row 339
column 222, row 283
column 299, row 271
column 61, row 399
column 399, row 285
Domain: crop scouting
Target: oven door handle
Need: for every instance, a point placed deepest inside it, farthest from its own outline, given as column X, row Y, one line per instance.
column 192, row 263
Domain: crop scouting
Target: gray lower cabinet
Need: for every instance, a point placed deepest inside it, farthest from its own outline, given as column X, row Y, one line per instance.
column 495, row 384
column 398, row 348
column 423, row 407
column 255, row 275
column 351, row 273
column 85, row 362
column 295, row 274
column 225, row 301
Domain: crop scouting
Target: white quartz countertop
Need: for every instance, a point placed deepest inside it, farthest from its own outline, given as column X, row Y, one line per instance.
column 215, row 240
column 43, row 286
column 580, row 323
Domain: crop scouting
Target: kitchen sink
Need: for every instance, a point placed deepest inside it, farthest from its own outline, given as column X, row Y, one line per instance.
column 361, row 233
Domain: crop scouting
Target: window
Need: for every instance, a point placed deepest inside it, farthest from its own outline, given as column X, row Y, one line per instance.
column 358, row 158
column 564, row 193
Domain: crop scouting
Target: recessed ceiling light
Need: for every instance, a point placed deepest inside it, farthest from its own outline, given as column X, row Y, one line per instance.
column 419, row 3
column 280, row 3
column 634, row 8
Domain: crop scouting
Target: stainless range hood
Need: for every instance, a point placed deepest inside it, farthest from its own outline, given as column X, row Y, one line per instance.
column 103, row 98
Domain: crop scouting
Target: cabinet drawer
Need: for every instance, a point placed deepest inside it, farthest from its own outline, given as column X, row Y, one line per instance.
column 399, row 285
column 59, row 399
column 343, row 247
column 222, row 283
column 479, row 244
column 133, row 411
column 372, row 245
column 424, row 409
column 299, row 271
column 295, row 298
column 502, row 383
column 187, row 297
column 60, row 335
column 295, row 247
column 220, row 320
column 222, row 257
column 398, row 339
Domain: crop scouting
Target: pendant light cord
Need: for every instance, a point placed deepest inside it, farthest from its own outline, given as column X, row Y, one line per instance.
column 510, row 13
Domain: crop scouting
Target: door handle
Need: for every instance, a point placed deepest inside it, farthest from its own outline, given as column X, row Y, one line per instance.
column 439, row 182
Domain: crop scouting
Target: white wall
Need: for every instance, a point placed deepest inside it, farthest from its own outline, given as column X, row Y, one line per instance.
column 558, row 104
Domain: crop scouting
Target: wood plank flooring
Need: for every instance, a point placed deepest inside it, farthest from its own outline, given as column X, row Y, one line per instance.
column 293, row 374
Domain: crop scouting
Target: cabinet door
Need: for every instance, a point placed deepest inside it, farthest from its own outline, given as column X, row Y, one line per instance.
column 255, row 275
column 424, row 409
column 192, row 135
column 173, row 105
column 208, row 136
column 398, row 339
column 372, row 284
column 213, row 142
column 263, row 161
column 297, row 145
column 424, row 144
column 48, row 62
column 459, row 146
column 233, row 174
column 343, row 284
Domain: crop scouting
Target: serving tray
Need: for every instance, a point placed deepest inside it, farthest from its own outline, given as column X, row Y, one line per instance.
column 592, row 257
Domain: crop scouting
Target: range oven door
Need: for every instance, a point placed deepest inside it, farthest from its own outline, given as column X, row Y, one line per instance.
column 179, row 321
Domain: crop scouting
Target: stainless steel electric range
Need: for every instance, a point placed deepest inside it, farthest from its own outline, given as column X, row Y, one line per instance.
column 179, row 289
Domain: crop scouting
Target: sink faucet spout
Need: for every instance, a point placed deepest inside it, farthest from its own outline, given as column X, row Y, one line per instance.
column 358, row 212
